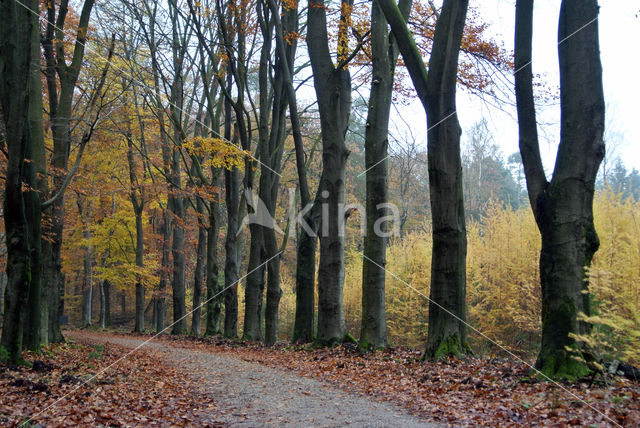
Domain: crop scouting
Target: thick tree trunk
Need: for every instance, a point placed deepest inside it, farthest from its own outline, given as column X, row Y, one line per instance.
column 60, row 91
column 20, row 208
column 447, row 332
column 563, row 207
column 333, row 90
column 305, row 285
column 40, row 319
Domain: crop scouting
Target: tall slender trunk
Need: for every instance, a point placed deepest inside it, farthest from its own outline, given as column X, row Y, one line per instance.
column 437, row 92
column 373, row 333
column 139, row 317
column 214, row 298
column 87, row 278
column 231, row 265
column 105, row 303
column 232, row 184
column 307, row 240
column 60, row 90
column 201, row 254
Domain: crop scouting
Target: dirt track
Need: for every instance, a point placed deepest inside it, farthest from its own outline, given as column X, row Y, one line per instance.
column 250, row 394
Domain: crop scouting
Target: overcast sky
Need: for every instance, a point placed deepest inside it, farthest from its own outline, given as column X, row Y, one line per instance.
column 619, row 28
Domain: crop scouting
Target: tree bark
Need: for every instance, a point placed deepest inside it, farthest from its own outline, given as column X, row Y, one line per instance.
column 60, row 90
column 21, row 208
column 563, row 207
column 214, row 297
column 84, row 211
column 198, row 277
column 437, row 91
column 333, row 91
column 232, row 186
column 384, row 53
column 307, row 242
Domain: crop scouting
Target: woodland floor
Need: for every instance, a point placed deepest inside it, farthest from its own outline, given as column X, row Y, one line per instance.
column 211, row 382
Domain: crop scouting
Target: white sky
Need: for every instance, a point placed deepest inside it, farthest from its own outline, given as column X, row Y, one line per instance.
column 619, row 29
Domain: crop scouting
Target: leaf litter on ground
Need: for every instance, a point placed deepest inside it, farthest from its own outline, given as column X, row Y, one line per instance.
column 459, row 392
column 60, row 388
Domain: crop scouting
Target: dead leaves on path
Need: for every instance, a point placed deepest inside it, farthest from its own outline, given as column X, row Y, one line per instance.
column 141, row 390
column 61, row 389
column 473, row 392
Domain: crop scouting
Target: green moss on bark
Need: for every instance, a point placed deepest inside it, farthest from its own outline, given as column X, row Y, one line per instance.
column 451, row 346
column 564, row 365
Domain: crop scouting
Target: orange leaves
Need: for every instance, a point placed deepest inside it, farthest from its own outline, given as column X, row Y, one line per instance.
column 138, row 390
column 343, row 31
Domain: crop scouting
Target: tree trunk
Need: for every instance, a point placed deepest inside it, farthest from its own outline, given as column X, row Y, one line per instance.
column 307, row 240
column 214, row 297
column 105, row 308
column 20, row 208
column 87, row 278
column 60, row 90
column 437, row 91
column 254, row 290
column 373, row 333
column 139, row 317
column 231, row 257
column 160, row 306
column 333, row 90
column 563, row 207
column 201, row 253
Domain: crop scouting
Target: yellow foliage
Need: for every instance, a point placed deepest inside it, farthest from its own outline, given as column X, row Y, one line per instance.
column 216, row 152
column 503, row 286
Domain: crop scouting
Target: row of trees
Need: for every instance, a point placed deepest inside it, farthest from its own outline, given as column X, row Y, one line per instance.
column 192, row 98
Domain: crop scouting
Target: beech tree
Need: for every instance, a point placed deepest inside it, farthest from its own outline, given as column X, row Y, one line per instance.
column 436, row 90
column 563, row 205
column 61, row 78
column 22, row 209
column 384, row 54
column 333, row 90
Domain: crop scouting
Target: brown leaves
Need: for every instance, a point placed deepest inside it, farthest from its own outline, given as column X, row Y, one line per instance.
column 67, row 387
column 485, row 392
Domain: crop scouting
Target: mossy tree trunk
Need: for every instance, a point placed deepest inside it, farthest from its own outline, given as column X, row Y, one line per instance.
column 563, row 206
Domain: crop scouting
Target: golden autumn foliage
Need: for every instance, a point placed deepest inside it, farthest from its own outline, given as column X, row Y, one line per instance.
column 503, row 291
column 216, row 152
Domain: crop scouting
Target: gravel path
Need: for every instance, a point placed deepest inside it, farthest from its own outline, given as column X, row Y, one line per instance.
column 250, row 395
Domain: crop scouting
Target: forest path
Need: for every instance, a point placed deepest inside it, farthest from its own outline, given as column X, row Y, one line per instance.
column 249, row 394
